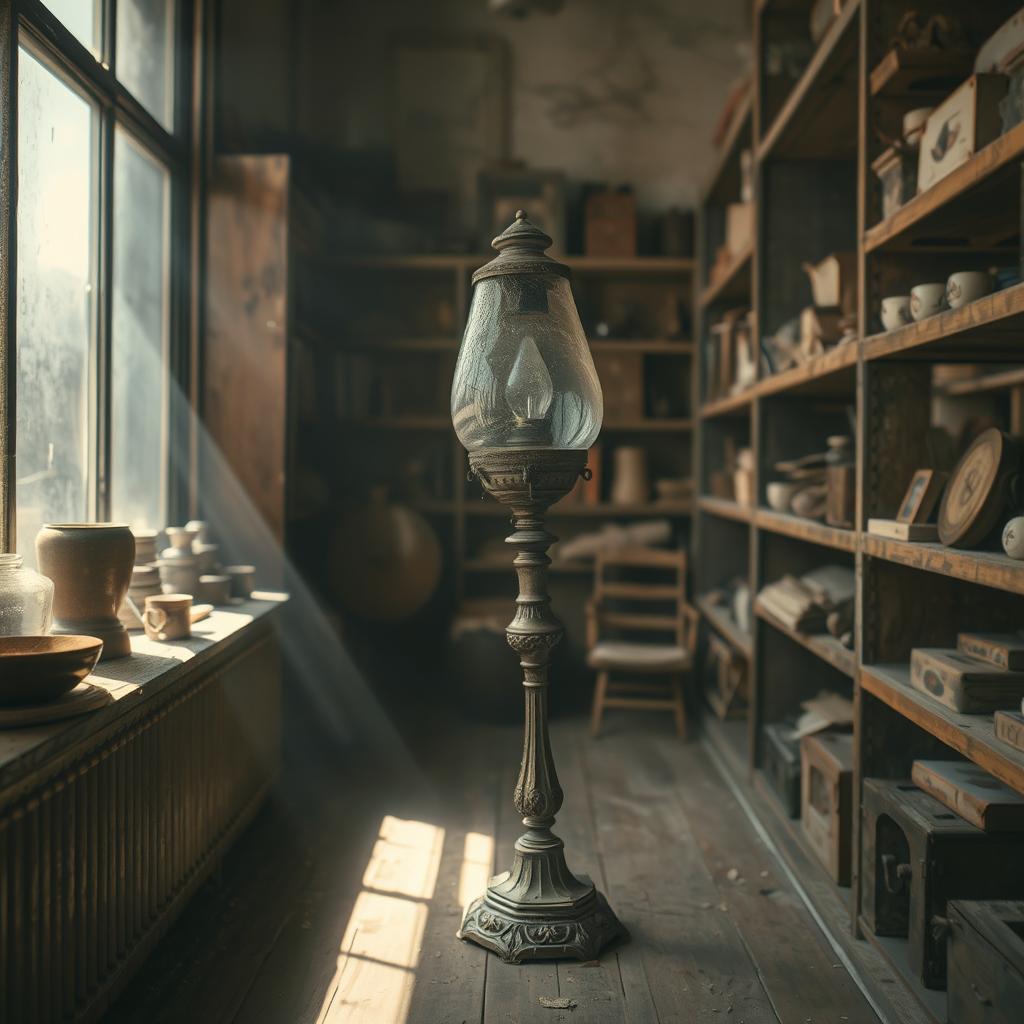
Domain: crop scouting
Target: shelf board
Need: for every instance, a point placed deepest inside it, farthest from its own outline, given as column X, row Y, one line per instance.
column 809, row 530
column 736, row 405
column 725, row 509
column 723, row 184
column 834, row 372
column 682, row 265
column 989, row 328
column 648, row 424
column 819, row 117
column 921, row 71
column 973, row 205
column 573, row 510
column 725, row 624
column 973, row 736
column 652, row 346
column 496, row 565
column 986, row 568
column 825, row 646
column 734, row 284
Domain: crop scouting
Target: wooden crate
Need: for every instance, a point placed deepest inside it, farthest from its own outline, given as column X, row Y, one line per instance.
column 782, row 765
column 916, row 855
column 826, row 796
column 986, row 962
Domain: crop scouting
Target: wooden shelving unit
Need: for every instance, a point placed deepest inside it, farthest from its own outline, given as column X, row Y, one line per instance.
column 813, row 146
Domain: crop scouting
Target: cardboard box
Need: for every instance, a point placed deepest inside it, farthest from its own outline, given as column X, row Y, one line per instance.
column 965, row 122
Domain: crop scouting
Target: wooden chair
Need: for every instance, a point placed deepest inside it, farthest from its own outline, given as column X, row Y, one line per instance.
column 655, row 632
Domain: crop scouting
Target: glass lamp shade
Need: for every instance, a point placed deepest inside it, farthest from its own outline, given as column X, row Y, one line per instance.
column 525, row 376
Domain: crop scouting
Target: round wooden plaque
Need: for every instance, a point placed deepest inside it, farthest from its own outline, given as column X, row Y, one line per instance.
column 976, row 496
column 83, row 698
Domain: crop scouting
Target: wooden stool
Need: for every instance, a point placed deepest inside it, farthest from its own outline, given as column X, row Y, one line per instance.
column 661, row 663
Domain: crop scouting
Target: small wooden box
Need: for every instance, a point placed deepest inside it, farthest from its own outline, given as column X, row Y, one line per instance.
column 915, row 856
column 622, row 382
column 963, row 683
column 826, row 797
column 840, row 495
column 968, row 790
column 962, row 124
column 739, row 227
column 782, row 765
column 986, row 962
column 609, row 227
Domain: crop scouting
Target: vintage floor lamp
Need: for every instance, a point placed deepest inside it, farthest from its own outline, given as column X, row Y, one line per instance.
column 526, row 404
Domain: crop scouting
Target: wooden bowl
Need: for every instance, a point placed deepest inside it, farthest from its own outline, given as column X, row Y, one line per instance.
column 37, row 669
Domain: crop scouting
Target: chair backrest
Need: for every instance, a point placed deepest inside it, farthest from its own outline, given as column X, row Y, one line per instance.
column 640, row 589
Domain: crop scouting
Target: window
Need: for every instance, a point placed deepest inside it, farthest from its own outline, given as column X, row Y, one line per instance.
column 102, row 182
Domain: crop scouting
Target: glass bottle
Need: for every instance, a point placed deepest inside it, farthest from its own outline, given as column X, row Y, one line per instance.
column 26, row 599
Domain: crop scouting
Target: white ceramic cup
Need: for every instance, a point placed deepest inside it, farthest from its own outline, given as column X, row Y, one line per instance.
column 967, row 285
column 914, row 122
column 1013, row 537
column 168, row 616
column 895, row 311
column 926, row 300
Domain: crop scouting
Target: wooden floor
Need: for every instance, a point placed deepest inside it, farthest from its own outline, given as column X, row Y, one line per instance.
column 342, row 901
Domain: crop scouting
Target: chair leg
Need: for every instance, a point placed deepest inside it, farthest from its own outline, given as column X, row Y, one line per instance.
column 598, row 709
column 680, row 708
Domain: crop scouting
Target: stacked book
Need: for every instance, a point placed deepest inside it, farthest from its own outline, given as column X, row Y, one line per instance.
column 806, row 603
column 982, row 674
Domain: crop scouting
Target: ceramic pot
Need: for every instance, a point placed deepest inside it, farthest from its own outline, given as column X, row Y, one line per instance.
column 91, row 567
column 179, row 573
column 913, row 124
column 179, row 539
column 215, row 589
column 966, row 286
column 779, row 494
column 630, row 485
column 926, row 300
column 896, row 312
column 199, row 529
column 243, row 580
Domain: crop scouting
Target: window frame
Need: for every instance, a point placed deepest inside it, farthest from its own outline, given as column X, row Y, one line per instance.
column 31, row 24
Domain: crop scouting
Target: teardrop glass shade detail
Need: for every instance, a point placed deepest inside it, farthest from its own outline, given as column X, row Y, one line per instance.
column 525, row 376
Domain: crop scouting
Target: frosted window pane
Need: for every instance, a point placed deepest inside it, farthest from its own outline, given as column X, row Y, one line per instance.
column 55, row 295
column 80, row 17
column 138, row 365
column 145, row 54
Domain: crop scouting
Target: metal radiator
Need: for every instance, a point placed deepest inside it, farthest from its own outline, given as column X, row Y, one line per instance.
column 103, row 845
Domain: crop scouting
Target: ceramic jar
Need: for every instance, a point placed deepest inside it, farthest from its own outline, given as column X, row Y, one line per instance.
column 199, row 529
column 145, row 583
column 630, row 485
column 91, row 567
column 179, row 573
column 243, row 580
column 26, row 599
column 215, row 589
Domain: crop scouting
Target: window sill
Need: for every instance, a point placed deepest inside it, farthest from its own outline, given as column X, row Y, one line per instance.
column 133, row 682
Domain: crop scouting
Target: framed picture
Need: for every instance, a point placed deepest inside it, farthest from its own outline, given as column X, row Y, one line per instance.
column 922, row 496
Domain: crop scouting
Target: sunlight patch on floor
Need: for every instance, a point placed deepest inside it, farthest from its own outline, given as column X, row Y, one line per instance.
column 379, row 952
column 477, row 861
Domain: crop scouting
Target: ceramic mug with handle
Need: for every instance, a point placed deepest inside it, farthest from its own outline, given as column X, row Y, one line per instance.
column 168, row 617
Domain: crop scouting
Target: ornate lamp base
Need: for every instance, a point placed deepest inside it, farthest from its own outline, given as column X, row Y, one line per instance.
column 539, row 910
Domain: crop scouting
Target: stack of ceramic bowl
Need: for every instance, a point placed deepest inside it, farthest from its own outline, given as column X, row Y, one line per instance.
column 145, row 583
column 145, row 546
column 179, row 567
